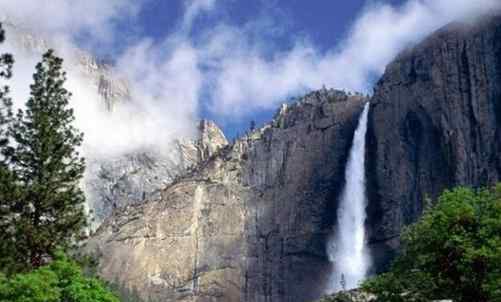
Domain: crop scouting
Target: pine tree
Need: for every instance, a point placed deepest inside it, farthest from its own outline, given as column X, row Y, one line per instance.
column 8, row 188
column 6, row 62
column 48, row 212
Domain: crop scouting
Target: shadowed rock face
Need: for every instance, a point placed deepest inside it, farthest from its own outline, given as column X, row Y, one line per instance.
column 250, row 223
column 434, row 123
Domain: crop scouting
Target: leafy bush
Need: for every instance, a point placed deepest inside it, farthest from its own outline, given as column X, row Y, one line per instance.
column 60, row 281
column 453, row 252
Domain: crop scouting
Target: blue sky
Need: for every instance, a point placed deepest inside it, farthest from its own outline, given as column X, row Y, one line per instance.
column 231, row 61
column 324, row 23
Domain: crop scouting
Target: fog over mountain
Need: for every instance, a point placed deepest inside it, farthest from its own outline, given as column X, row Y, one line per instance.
column 182, row 213
column 151, row 94
column 226, row 68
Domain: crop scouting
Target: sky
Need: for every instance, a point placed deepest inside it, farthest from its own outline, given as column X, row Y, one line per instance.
column 325, row 23
column 231, row 61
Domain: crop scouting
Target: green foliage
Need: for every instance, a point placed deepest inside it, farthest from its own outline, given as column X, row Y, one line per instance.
column 8, row 187
column 453, row 252
column 6, row 62
column 42, row 204
column 339, row 297
column 60, row 281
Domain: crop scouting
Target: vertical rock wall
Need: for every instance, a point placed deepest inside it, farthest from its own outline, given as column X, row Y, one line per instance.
column 435, row 122
column 250, row 223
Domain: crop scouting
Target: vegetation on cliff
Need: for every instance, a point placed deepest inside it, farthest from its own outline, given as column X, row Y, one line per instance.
column 453, row 252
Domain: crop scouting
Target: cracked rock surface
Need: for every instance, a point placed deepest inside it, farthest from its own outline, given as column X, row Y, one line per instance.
column 249, row 223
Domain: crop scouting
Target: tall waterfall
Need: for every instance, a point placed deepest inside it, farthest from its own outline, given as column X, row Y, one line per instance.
column 347, row 248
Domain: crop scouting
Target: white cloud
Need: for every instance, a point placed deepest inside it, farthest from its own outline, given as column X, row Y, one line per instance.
column 95, row 19
column 247, row 80
column 164, row 79
column 238, row 66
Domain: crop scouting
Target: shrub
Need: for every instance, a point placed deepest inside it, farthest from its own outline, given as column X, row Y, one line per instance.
column 60, row 281
column 453, row 252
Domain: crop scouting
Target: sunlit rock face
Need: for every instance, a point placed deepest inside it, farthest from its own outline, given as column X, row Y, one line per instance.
column 249, row 223
column 434, row 123
column 139, row 177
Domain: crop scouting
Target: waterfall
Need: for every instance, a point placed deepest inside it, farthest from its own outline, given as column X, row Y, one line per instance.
column 347, row 248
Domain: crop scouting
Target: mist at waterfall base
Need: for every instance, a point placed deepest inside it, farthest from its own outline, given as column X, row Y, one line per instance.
column 347, row 248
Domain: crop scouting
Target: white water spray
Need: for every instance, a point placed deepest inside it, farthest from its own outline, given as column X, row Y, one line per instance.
column 348, row 249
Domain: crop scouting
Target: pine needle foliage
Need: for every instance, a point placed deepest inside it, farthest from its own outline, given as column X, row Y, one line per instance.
column 45, row 203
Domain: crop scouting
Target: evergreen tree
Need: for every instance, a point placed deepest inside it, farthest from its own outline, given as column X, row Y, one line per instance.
column 47, row 213
column 6, row 62
column 7, row 180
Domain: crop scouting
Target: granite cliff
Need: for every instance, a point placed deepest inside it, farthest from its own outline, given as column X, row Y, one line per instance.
column 132, row 178
column 435, row 122
column 250, row 223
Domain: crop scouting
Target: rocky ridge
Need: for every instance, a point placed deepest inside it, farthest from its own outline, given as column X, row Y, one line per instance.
column 249, row 223
column 137, row 177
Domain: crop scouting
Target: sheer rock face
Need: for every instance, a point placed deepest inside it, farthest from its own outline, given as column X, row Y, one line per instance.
column 249, row 223
column 435, row 122
column 134, row 178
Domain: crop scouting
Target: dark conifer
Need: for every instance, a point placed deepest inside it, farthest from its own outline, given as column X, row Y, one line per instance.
column 8, row 188
column 48, row 213
column 6, row 62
